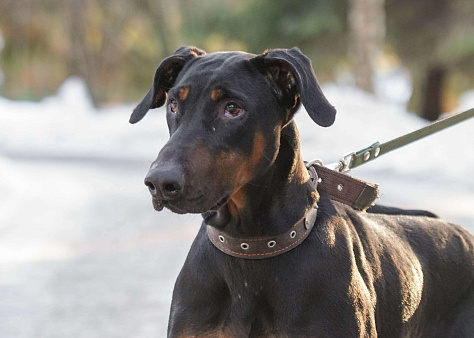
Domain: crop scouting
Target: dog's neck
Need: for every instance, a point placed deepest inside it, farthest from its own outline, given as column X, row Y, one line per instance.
column 274, row 201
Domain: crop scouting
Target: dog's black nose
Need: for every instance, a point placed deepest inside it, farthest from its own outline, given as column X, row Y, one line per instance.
column 167, row 182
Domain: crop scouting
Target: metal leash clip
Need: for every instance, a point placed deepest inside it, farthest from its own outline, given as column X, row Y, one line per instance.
column 343, row 164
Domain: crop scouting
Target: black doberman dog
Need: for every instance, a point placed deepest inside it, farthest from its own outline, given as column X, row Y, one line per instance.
column 234, row 157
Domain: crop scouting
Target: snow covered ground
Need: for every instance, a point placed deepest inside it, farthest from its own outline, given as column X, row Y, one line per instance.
column 83, row 254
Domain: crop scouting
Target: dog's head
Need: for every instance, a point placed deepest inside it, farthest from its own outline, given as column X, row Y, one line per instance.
column 225, row 112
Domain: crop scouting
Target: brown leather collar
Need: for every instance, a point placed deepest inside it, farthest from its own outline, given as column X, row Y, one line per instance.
column 264, row 247
column 358, row 194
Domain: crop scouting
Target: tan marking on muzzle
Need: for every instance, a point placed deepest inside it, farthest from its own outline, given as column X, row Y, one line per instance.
column 236, row 202
column 183, row 93
column 227, row 168
column 246, row 168
column 201, row 160
column 245, row 174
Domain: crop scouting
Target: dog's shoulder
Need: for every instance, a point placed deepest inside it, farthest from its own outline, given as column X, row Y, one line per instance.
column 413, row 231
column 428, row 255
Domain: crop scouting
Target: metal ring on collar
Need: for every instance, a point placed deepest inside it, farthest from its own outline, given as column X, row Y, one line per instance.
column 271, row 243
column 245, row 246
column 310, row 163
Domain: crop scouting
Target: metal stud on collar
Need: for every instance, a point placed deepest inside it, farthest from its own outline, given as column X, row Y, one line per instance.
column 245, row 246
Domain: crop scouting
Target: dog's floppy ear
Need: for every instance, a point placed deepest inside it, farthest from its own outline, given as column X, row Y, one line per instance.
column 292, row 76
column 165, row 76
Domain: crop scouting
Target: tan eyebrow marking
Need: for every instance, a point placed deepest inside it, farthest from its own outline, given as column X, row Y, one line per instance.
column 215, row 94
column 183, row 93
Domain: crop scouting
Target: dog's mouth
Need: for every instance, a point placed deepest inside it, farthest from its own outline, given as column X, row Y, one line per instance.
column 158, row 205
column 219, row 204
column 193, row 205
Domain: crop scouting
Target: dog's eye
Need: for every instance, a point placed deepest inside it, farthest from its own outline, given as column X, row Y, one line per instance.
column 173, row 105
column 233, row 110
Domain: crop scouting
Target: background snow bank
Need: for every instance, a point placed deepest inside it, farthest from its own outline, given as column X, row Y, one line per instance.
column 83, row 254
column 68, row 126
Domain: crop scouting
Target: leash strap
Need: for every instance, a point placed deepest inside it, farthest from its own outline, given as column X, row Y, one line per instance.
column 346, row 189
column 370, row 153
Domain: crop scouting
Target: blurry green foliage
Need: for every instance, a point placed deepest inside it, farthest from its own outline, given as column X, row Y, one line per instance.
column 316, row 26
column 117, row 44
column 111, row 43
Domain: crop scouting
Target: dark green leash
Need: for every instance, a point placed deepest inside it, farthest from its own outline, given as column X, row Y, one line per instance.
column 377, row 149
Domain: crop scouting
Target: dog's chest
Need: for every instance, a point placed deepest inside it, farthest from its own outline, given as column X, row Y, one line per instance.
column 239, row 307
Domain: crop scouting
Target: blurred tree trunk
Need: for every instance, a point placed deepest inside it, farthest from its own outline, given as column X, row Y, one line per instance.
column 21, row 44
column 432, row 106
column 428, row 88
column 81, row 62
column 367, row 32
